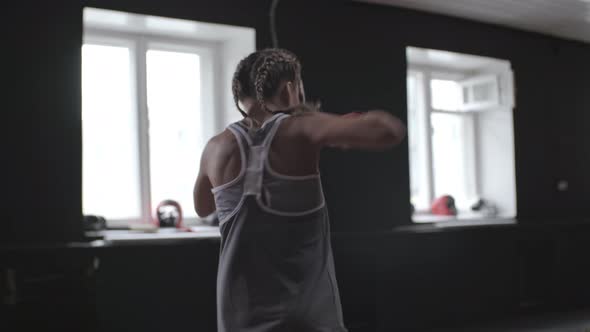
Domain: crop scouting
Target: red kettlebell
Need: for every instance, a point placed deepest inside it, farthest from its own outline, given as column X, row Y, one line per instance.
column 169, row 214
column 444, row 206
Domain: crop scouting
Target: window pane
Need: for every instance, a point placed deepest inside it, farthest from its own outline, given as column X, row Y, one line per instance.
column 446, row 95
column 110, row 183
column 417, row 143
column 449, row 159
column 176, row 142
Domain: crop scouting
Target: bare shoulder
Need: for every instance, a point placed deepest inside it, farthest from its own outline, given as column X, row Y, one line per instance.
column 221, row 145
column 295, row 125
column 225, row 137
column 304, row 127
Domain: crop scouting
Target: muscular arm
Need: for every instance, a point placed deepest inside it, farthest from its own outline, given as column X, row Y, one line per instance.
column 375, row 130
column 202, row 195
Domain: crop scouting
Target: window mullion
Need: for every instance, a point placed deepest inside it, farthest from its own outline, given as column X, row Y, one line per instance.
column 428, row 123
column 143, row 128
column 471, row 155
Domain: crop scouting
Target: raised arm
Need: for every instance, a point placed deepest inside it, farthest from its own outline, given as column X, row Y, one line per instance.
column 374, row 130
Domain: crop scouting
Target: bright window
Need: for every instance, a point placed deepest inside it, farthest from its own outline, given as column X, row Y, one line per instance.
column 460, row 134
column 446, row 95
column 441, row 142
column 111, row 174
column 451, row 161
column 154, row 90
column 133, row 152
column 175, row 127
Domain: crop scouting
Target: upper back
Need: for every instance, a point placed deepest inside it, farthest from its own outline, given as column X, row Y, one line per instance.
column 268, row 163
column 289, row 153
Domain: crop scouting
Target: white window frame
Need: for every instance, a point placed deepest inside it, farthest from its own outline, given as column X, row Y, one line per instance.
column 139, row 44
column 422, row 107
column 468, row 86
column 426, row 74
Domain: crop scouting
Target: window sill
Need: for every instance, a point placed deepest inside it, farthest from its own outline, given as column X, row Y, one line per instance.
column 462, row 219
column 125, row 237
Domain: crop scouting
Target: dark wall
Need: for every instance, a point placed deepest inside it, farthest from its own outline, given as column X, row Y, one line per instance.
column 397, row 281
column 49, row 288
column 354, row 58
column 158, row 287
column 41, row 158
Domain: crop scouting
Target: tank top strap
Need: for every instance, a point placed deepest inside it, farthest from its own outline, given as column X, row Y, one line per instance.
column 272, row 129
column 259, row 136
column 254, row 146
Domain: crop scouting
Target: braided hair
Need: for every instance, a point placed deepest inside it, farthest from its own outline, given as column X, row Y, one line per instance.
column 259, row 74
column 270, row 68
column 242, row 86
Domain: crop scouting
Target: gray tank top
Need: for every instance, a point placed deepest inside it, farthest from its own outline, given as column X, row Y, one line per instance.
column 276, row 270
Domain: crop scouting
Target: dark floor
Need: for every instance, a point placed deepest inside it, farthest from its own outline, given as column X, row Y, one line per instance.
column 578, row 321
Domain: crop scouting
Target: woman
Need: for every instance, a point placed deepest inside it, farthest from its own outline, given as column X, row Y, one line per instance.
column 276, row 271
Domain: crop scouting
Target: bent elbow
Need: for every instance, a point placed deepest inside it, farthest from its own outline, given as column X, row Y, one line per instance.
column 397, row 134
column 205, row 214
column 204, row 211
column 200, row 212
column 392, row 135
